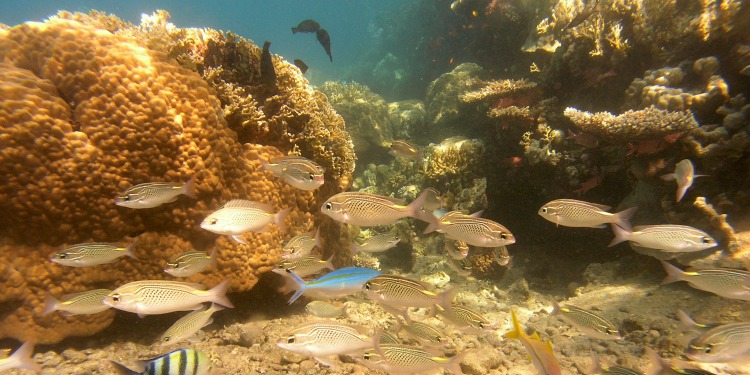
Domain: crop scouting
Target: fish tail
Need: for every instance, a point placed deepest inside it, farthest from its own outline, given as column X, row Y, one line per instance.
column 218, row 294
column 213, row 257
column 682, row 188
column 555, row 308
column 317, row 238
column 686, row 322
column 454, row 363
column 329, row 262
column 622, row 218
column 279, row 218
column 121, row 369
column 129, row 250
column 295, row 30
column 416, row 209
column 621, row 235
column 674, row 274
column 214, row 308
column 517, row 331
column 21, row 358
column 668, row 176
column 659, row 364
column 301, row 286
column 189, row 188
column 50, row 304
column 432, row 227
column 596, row 365
column 446, row 298
column 356, row 248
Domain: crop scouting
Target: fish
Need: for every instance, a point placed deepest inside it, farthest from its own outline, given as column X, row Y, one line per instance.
column 322, row 340
column 464, row 318
column 267, row 72
column 300, row 246
column 472, row 229
column 154, row 194
column 92, row 254
column 21, row 358
column 84, row 303
column 589, row 184
column 367, row 210
column 461, row 266
column 725, row 343
column 662, row 367
column 377, row 243
column 403, row 149
column 387, row 337
column 177, row 362
column 684, row 174
column 424, row 333
column 306, row 26
column 188, row 325
column 724, row 282
column 597, row 368
column 405, row 359
column 456, row 249
column 239, row 216
column 339, row 283
column 688, row 324
column 587, row 322
column 401, row 292
column 575, row 213
column 669, row 238
column 325, row 310
column 300, row 172
column 301, row 65
column 325, row 40
column 151, row 297
column 189, row 263
column 304, row 266
column 502, row 257
column 433, row 200
column 539, row 352
column 584, row 139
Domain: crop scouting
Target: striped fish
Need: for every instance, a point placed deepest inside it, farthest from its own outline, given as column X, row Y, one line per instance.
column 540, row 352
column 178, row 362
column 725, row 343
column 662, row 367
column 472, row 229
column 21, row 358
column 462, row 267
column 598, row 368
column 154, row 194
column 367, row 210
column 188, row 325
column 456, row 249
column 322, row 340
column 575, row 213
column 149, row 297
column 239, row 216
column 84, row 303
column 92, row 254
column 404, row 359
column 300, row 246
column 339, row 283
column 387, row 337
column 725, row 282
column 189, row 263
column 465, row 318
column 424, row 333
column 298, row 171
column 669, row 238
column 377, row 243
column 586, row 321
column 403, row 149
column 325, row 310
column 401, row 292
column 304, row 266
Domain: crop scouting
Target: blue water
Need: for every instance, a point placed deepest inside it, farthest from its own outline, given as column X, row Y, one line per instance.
column 347, row 21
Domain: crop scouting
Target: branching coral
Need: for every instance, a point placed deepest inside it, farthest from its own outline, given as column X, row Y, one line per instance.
column 719, row 221
column 538, row 145
column 504, row 88
column 455, row 160
column 649, row 123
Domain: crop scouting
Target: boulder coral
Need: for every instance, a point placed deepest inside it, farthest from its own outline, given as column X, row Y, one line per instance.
column 87, row 113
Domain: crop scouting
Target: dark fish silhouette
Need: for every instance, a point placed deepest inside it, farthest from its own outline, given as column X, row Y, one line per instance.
column 306, row 26
column 325, row 41
column 301, row 65
column 267, row 73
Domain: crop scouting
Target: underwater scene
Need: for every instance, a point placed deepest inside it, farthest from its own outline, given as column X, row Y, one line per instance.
column 509, row 187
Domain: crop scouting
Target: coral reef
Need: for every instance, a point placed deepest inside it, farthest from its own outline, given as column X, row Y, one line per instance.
column 445, row 107
column 409, row 119
column 649, row 123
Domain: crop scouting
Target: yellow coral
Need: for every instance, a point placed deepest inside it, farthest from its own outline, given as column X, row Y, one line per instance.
column 499, row 88
column 649, row 123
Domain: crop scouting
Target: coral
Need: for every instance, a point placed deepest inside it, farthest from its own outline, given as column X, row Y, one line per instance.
column 541, row 149
column 649, row 123
column 409, row 120
column 454, row 163
column 444, row 107
column 719, row 221
column 85, row 114
column 498, row 89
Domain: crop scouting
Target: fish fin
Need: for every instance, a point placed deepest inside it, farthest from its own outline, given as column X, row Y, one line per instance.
column 432, row 227
column 189, row 188
column 517, row 331
column 129, row 250
column 279, row 218
column 621, row 235
column 668, row 176
column 596, row 365
column 121, row 369
column 50, row 304
column 446, row 298
column 477, row 214
column 238, row 238
column 67, row 313
column 701, row 175
column 301, row 285
column 356, row 248
column 317, row 238
column 22, row 357
column 686, row 322
column 328, row 361
column 622, row 218
column 417, row 210
column 454, row 363
column 141, row 315
column 658, row 363
column 213, row 255
column 681, row 190
column 674, row 274
column 218, row 294
column 209, row 321
column 329, row 262
column 555, row 308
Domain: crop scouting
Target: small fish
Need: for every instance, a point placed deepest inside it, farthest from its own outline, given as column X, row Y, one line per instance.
column 401, row 292
column 304, row 266
column 725, row 282
column 177, row 362
column 456, row 249
column 21, row 358
column 84, row 303
column 669, row 238
column 424, row 333
column 154, row 194
column 405, row 359
column 150, row 297
column 322, row 340
column 188, row 325
column 403, row 149
column 540, row 352
column 239, row 216
column 325, row 40
column 684, row 173
column 597, row 368
column 461, row 266
column 433, row 200
column 301, row 65
column 325, row 310
column 725, row 343
column 662, row 367
column 189, row 263
column 267, row 72
column 306, row 26
column 92, row 254
column 464, row 318
column 339, row 283
column 589, row 323
column 503, row 257
column 575, row 213
column 584, row 139
column 300, row 246
column 688, row 324
column 367, row 210
column 377, row 243
column 472, row 229
column 300, row 172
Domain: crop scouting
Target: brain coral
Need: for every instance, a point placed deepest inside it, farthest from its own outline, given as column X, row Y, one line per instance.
column 86, row 113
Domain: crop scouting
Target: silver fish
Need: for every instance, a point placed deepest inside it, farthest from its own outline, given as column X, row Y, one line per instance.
column 298, row 171
column 424, row 333
column 325, row 310
column 304, row 266
column 189, row 263
column 149, row 297
column 239, row 216
column 405, row 359
column 403, row 149
column 472, row 229
column 670, row 237
column 456, row 249
column 464, row 318
column 377, row 243
column 92, row 254
column 502, row 257
column 21, row 358
column 387, row 337
column 684, row 174
column 188, row 325
column 575, row 213
column 398, row 291
column 300, row 246
column 725, row 343
column 154, row 194
column 322, row 340
column 586, row 321
column 461, row 266
column 84, row 303
column 725, row 282
column 367, row 210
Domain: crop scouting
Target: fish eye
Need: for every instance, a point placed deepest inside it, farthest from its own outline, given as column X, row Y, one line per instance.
column 610, row 331
column 367, row 286
column 396, row 238
column 329, row 206
column 708, row 349
column 481, row 325
column 62, row 255
column 311, row 177
column 544, row 210
column 213, row 221
column 706, row 240
column 366, row 357
column 115, row 298
column 166, row 339
column 290, row 340
column 504, row 236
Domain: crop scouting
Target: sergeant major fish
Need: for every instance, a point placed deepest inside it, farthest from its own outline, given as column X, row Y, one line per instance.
column 150, row 297
column 92, row 254
column 188, row 325
column 338, row 283
column 21, row 358
column 239, row 216
column 154, row 194
column 575, row 213
column 376, row 243
column 298, row 171
column 539, row 352
column 84, row 303
column 589, row 323
column 367, row 210
column 322, row 340
column 684, row 174
column 472, row 229
column 177, row 362
column 669, row 238
column 189, row 263
column 725, row 282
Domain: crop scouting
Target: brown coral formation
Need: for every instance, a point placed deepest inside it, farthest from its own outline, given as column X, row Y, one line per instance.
column 649, row 123
column 85, row 114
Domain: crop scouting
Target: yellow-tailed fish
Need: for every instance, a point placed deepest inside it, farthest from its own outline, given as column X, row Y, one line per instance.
column 92, row 254
column 401, row 292
column 726, row 344
column 540, row 352
column 84, row 303
column 339, row 283
column 300, row 246
column 239, row 216
column 322, row 340
column 298, row 171
column 575, row 213
column 598, row 368
column 403, row 149
column 304, row 266
column 684, row 174
column 325, row 310
column 669, row 238
column 725, row 282
column 461, row 266
column 472, row 229
column 405, row 359
column 189, row 263
column 154, row 194
column 177, row 362
column 661, row 367
column 367, row 210
column 587, row 322
column 456, row 249
column 377, row 243
column 150, row 297
column 424, row 333
column 188, row 325
column 21, row 358
column 688, row 324
column 464, row 318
